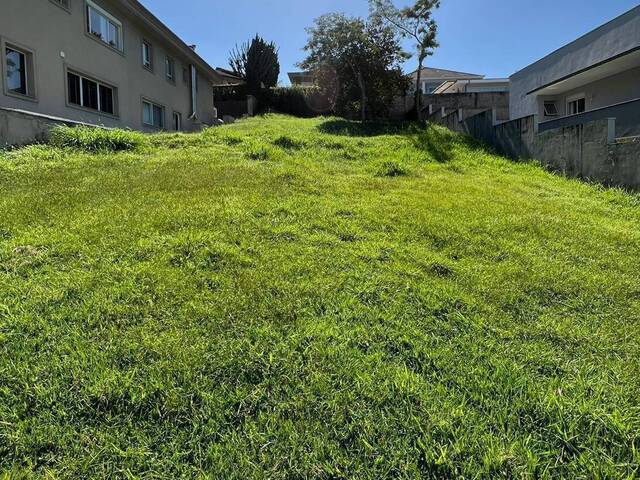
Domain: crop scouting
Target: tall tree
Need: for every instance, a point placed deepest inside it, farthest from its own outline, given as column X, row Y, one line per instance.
column 256, row 62
column 364, row 58
column 415, row 22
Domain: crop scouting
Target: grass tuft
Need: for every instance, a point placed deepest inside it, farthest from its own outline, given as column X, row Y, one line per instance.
column 93, row 140
column 390, row 168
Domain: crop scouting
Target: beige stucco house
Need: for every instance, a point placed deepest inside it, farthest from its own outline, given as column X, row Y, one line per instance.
column 432, row 78
column 102, row 62
column 302, row 79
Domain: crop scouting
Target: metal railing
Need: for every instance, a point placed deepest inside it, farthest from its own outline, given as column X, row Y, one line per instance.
column 627, row 115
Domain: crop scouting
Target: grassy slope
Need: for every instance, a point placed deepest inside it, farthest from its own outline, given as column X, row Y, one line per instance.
column 267, row 301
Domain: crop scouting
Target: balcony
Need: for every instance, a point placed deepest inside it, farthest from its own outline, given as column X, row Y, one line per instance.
column 627, row 115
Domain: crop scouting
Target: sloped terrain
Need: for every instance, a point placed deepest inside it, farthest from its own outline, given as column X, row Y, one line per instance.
column 288, row 298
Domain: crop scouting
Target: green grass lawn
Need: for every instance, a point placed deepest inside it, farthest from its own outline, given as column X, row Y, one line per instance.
column 283, row 299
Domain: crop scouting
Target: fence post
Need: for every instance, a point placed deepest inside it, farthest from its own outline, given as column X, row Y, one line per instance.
column 611, row 130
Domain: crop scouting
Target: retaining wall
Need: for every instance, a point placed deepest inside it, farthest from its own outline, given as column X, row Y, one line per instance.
column 18, row 127
column 589, row 150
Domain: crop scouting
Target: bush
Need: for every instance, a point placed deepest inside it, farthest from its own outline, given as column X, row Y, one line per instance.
column 299, row 101
column 94, row 139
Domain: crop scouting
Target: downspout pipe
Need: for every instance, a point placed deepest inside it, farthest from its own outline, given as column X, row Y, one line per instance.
column 194, row 93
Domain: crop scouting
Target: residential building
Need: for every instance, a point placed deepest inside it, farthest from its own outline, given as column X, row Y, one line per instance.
column 302, row 79
column 487, row 85
column 432, row 78
column 596, row 76
column 102, row 62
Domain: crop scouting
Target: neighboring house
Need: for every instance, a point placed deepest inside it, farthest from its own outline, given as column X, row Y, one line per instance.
column 228, row 78
column 432, row 78
column 488, row 85
column 596, row 75
column 302, row 79
column 102, row 62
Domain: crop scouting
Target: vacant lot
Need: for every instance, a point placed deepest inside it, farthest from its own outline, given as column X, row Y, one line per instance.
column 313, row 299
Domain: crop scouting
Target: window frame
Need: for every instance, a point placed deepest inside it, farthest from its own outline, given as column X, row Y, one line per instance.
column 153, row 104
column 168, row 60
column 31, row 80
column 99, row 83
column 575, row 99
column 173, row 118
column 555, row 106
column 63, row 4
column 88, row 4
column 145, row 43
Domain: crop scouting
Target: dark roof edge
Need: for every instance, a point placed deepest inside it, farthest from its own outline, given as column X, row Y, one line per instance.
column 557, row 50
column 595, row 65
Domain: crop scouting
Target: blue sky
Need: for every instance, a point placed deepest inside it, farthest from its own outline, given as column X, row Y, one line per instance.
column 491, row 37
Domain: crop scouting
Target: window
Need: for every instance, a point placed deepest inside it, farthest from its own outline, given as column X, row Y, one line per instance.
column 550, row 109
column 170, row 69
column 152, row 115
column 62, row 3
column 89, row 93
column 177, row 121
column 147, row 59
column 16, row 71
column 575, row 106
column 103, row 26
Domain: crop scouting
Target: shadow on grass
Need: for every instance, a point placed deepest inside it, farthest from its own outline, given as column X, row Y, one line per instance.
column 441, row 143
column 437, row 141
column 350, row 128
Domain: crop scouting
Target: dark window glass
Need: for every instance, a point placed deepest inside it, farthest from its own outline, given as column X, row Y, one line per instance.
column 16, row 72
column 89, row 94
column 158, row 116
column 106, row 99
column 73, row 82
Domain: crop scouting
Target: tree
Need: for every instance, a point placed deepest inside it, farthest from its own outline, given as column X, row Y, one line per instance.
column 256, row 62
column 415, row 22
column 362, row 57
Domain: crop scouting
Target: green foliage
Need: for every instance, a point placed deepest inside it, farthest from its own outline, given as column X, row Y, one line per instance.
column 257, row 63
column 188, row 312
column 90, row 139
column 305, row 102
column 416, row 23
column 357, row 62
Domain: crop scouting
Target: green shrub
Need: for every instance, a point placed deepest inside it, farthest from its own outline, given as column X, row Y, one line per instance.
column 299, row 101
column 95, row 139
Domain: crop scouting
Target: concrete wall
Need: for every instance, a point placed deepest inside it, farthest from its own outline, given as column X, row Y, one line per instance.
column 602, row 93
column 583, row 151
column 58, row 40
column 612, row 39
column 19, row 127
column 469, row 103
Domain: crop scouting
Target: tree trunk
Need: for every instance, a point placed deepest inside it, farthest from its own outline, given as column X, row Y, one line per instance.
column 363, row 98
column 418, row 99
